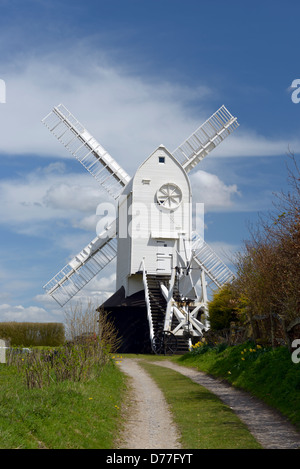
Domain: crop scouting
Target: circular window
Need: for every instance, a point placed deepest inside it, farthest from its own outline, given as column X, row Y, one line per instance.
column 169, row 196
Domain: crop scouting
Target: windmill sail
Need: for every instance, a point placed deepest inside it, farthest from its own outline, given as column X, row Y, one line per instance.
column 210, row 262
column 83, row 267
column 71, row 133
column 205, row 138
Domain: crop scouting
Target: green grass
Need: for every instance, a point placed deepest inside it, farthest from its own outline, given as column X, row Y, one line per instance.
column 87, row 415
column 267, row 374
column 202, row 419
column 64, row 415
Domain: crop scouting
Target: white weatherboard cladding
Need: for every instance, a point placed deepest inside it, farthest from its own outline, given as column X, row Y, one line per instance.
column 154, row 230
column 124, row 240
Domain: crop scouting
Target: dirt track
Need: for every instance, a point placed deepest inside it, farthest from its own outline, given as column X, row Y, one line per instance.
column 149, row 422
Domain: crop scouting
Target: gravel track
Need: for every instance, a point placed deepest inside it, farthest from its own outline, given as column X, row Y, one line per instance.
column 149, row 421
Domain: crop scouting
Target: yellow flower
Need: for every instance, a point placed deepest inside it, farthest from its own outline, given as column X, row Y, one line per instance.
column 243, row 358
column 258, row 346
column 242, row 352
column 90, row 398
column 229, row 372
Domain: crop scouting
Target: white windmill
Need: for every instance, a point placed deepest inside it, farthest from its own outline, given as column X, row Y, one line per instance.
column 163, row 267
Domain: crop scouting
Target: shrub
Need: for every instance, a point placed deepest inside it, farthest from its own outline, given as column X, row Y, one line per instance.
column 223, row 308
column 85, row 323
column 70, row 362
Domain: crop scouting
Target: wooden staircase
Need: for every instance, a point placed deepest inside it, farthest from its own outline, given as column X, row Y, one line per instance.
column 158, row 306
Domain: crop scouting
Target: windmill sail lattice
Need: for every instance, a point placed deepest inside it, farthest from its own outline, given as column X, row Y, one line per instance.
column 209, row 261
column 205, row 138
column 71, row 133
column 83, row 267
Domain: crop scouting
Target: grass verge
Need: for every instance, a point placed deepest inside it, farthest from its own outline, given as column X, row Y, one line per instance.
column 268, row 374
column 66, row 415
column 202, row 419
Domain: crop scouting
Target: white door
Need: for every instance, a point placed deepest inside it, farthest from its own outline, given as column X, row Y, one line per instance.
column 164, row 256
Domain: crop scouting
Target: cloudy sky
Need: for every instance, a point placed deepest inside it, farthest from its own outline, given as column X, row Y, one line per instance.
column 137, row 74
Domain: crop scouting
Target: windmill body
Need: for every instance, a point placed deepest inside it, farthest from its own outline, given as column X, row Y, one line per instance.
column 163, row 267
column 155, row 210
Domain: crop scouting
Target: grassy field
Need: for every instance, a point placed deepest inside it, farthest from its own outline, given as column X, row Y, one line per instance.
column 66, row 415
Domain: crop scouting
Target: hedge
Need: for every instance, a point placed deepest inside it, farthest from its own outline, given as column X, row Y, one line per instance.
column 28, row 334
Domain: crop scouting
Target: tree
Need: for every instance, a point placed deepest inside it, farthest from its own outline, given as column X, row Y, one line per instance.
column 269, row 267
column 223, row 308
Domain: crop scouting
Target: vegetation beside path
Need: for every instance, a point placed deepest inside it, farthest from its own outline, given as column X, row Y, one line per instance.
column 63, row 415
column 269, row 374
column 87, row 414
column 204, row 422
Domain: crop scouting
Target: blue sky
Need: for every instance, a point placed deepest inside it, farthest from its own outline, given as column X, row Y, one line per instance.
column 137, row 73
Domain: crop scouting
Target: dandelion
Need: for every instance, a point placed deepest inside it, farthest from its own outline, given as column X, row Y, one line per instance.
column 90, row 398
column 243, row 358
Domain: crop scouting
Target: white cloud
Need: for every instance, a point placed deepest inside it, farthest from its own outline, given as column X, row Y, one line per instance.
column 20, row 313
column 63, row 196
column 210, row 190
column 247, row 143
column 44, row 195
column 128, row 114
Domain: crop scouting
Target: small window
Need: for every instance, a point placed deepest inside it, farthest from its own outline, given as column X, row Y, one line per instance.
column 161, row 159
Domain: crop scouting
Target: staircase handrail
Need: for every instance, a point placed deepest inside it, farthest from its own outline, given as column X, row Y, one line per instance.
column 147, row 299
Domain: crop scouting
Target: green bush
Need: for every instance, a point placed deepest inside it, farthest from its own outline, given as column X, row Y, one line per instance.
column 223, row 308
